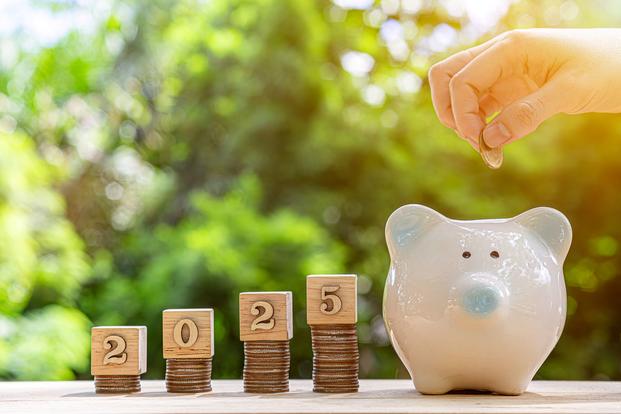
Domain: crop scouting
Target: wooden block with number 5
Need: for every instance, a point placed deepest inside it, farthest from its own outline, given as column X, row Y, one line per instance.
column 331, row 299
column 187, row 333
column 265, row 316
column 118, row 350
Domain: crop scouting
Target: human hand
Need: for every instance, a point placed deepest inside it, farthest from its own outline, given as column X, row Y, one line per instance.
column 528, row 76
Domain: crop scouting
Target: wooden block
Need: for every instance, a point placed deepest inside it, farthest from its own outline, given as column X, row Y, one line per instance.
column 187, row 333
column 265, row 316
column 118, row 350
column 331, row 299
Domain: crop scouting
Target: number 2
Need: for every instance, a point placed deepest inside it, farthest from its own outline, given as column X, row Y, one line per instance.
column 113, row 357
column 337, row 304
column 264, row 321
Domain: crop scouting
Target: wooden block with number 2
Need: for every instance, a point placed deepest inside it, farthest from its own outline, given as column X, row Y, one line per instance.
column 331, row 299
column 265, row 316
column 118, row 350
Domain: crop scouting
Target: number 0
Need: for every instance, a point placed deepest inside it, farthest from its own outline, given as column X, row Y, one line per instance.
column 113, row 357
column 178, row 333
column 264, row 321
column 336, row 302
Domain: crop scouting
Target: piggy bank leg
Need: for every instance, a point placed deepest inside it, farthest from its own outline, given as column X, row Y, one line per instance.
column 509, row 387
column 432, row 385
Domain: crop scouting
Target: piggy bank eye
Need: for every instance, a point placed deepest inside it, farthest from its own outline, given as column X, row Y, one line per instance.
column 466, row 255
column 494, row 254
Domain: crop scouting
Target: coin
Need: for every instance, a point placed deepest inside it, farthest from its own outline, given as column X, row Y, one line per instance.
column 335, row 358
column 189, row 375
column 492, row 157
column 117, row 384
column 266, row 366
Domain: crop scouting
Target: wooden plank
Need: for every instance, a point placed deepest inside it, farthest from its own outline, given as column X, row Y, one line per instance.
column 375, row 396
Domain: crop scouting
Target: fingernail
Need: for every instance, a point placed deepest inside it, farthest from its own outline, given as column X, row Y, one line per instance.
column 496, row 134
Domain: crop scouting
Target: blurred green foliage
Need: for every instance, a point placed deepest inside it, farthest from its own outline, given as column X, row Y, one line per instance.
column 223, row 246
column 176, row 153
column 42, row 268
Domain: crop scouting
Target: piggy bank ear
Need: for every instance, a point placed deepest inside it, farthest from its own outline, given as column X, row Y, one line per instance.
column 407, row 223
column 551, row 226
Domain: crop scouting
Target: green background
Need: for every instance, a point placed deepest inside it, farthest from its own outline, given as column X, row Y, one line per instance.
column 162, row 154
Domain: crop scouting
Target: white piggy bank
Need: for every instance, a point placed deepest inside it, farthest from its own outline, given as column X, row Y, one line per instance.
column 475, row 304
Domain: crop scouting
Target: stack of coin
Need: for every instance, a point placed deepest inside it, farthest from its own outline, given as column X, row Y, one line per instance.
column 188, row 375
column 266, row 366
column 492, row 157
column 335, row 358
column 117, row 384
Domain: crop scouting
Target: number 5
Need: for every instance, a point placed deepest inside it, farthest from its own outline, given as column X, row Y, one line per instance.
column 336, row 301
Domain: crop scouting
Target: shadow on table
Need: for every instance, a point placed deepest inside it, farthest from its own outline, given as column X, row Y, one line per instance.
column 91, row 394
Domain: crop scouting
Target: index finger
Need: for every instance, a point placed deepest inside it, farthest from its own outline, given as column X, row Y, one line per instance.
column 441, row 74
column 472, row 81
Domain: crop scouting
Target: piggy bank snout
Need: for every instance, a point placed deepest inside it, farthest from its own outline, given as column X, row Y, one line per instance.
column 481, row 300
column 481, row 296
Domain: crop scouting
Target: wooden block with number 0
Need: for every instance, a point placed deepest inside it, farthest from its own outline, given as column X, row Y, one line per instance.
column 118, row 350
column 187, row 333
column 331, row 299
column 265, row 316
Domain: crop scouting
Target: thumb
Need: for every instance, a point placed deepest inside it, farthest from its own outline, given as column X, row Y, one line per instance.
column 524, row 115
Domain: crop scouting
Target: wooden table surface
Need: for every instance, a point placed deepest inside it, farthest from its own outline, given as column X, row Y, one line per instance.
column 375, row 396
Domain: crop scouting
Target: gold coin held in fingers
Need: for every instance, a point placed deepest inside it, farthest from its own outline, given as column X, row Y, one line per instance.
column 492, row 157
